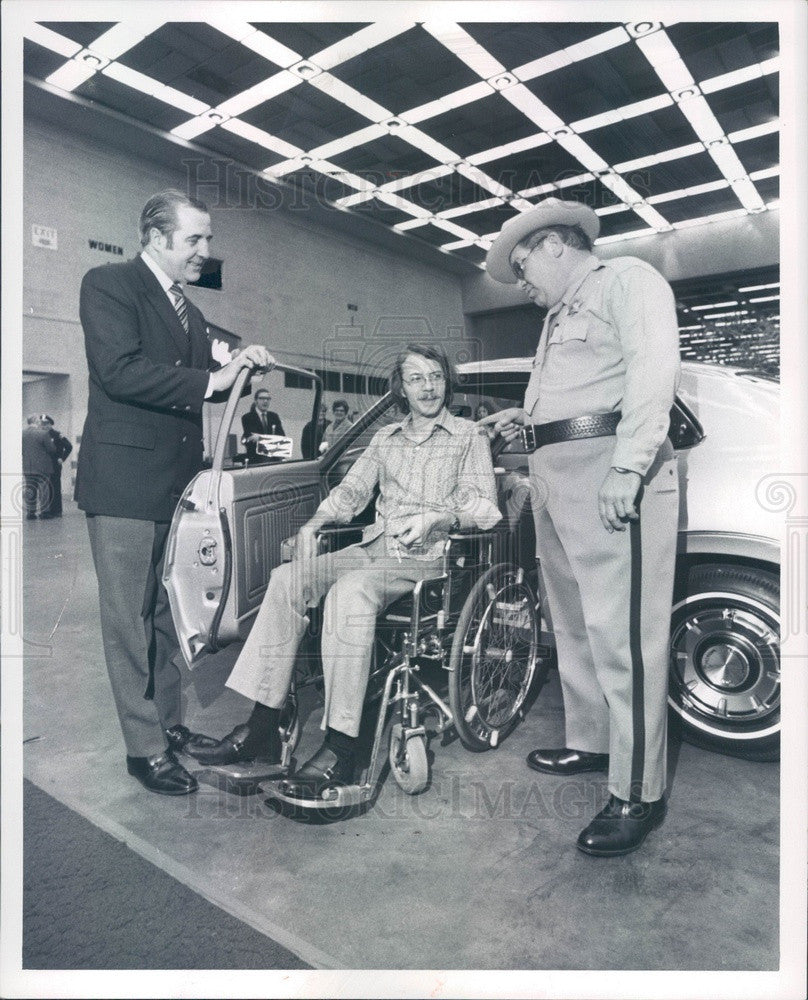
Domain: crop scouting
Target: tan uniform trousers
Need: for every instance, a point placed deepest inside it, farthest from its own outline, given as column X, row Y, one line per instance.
column 358, row 582
column 610, row 601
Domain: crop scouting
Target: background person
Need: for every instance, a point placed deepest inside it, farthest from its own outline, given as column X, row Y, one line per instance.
column 259, row 419
column 605, row 501
column 435, row 474
column 38, row 453
column 63, row 449
column 313, row 434
column 149, row 358
column 338, row 426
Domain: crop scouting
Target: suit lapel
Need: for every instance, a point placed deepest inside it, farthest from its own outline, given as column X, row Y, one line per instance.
column 159, row 299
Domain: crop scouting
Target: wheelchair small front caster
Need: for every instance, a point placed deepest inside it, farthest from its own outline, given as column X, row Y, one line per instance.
column 408, row 760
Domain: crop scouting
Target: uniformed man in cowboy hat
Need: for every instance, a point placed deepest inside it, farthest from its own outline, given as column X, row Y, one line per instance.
column 595, row 419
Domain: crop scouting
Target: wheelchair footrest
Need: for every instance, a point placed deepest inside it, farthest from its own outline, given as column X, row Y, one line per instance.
column 253, row 770
column 338, row 798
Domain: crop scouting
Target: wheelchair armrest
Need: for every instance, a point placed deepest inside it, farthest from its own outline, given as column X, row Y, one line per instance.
column 337, row 536
column 329, row 539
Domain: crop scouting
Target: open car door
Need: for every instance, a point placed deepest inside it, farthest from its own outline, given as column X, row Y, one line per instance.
column 227, row 530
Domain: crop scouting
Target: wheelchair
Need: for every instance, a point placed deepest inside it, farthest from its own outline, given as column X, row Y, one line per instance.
column 478, row 623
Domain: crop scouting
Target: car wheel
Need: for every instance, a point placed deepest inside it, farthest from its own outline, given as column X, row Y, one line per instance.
column 725, row 659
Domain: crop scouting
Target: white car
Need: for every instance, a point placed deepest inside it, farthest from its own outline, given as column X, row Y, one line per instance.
column 725, row 663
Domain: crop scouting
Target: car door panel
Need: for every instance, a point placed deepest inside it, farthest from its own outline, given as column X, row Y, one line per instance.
column 226, row 536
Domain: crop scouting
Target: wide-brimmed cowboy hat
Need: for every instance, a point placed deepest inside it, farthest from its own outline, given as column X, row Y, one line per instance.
column 550, row 212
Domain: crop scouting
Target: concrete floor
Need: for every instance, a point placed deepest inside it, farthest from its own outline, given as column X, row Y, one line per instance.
column 478, row 872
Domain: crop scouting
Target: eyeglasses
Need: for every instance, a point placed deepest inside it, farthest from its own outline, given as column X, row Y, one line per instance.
column 518, row 266
column 416, row 381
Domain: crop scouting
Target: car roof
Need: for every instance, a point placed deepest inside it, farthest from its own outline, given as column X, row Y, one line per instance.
column 524, row 364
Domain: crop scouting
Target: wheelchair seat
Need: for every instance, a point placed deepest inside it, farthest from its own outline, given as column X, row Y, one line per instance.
column 477, row 624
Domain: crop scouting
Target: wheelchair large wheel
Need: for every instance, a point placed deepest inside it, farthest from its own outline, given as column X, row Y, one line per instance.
column 493, row 657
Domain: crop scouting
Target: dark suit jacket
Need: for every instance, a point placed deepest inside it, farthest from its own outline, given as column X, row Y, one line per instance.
column 63, row 448
column 142, row 440
column 251, row 424
column 38, row 451
column 312, row 438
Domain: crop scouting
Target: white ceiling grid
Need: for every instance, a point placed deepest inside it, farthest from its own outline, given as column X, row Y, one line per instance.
column 650, row 38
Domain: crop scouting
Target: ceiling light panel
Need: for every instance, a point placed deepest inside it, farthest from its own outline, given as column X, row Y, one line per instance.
column 466, row 95
column 361, row 41
column 124, row 36
column 536, row 110
column 760, row 288
column 257, row 41
column 147, row 85
column 261, row 138
column 655, row 158
column 460, row 42
column 71, row 75
column 273, row 86
column 539, row 67
column 351, row 98
column 51, row 40
column 350, row 141
column 755, row 131
column 582, row 152
column 663, row 55
column 593, row 46
column 511, row 148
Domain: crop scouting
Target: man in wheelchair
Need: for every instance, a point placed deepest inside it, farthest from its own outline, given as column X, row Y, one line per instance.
column 435, row 475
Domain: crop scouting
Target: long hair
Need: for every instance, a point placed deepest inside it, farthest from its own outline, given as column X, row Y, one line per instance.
column 431, row 354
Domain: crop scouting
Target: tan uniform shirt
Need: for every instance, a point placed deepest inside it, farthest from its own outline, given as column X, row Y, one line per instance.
column 611, row 343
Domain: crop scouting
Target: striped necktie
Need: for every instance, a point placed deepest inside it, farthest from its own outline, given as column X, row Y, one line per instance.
column 180, row 305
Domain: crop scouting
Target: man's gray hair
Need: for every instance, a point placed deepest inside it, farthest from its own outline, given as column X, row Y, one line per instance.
column 160, row 212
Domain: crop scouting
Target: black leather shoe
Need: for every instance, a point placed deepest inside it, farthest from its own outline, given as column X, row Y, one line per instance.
column 324, row 770
column 161, row 773
column 566, row 761
column 182, row 740
column 620, row 827
column 236, row 748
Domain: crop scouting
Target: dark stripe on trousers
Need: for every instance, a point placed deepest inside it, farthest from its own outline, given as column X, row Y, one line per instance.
column 637, row 667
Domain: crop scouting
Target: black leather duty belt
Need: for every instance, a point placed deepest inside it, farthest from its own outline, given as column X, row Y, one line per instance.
column 595, row 425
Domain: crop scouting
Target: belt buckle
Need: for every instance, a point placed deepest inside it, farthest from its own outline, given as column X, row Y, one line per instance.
column 528, row 435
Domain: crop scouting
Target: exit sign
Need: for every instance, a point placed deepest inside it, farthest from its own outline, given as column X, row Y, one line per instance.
column 44, row 236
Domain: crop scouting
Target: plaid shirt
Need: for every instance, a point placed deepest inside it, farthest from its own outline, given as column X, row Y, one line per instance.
column 450, row 471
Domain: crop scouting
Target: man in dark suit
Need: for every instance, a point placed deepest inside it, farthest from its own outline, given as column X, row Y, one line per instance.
column 38, row 451
column 149, row 365
column 313, row 434
column 63, row 449
column 259, row 419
